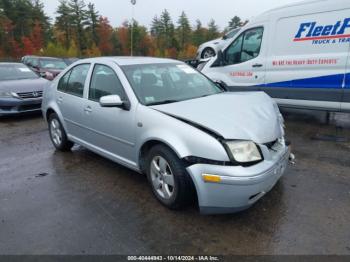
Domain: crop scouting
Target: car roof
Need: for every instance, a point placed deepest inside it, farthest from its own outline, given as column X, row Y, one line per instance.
column 128, row 60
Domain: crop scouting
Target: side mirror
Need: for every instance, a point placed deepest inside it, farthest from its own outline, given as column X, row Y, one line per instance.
column 114, row 101
column 222, row 85
column 224, row 37
column 220, row 60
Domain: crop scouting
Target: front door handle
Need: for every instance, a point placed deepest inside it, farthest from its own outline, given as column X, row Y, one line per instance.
column 88, row 109
column 257, row 65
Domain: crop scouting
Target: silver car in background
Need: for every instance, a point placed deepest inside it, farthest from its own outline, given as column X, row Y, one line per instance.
column 162, row 118
column 21, row 89
column 211, row 48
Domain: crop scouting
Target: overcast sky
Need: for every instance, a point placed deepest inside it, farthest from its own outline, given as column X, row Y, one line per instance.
column 222, row 11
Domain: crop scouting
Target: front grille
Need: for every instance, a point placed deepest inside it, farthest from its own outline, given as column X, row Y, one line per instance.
column 29, row 95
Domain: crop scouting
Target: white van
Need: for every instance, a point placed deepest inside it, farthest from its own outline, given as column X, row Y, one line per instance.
column 298, row 54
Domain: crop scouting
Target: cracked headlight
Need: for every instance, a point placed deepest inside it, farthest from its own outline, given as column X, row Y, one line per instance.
column 244, row 152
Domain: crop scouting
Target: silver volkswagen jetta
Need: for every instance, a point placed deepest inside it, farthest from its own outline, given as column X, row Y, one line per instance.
column 162, row 118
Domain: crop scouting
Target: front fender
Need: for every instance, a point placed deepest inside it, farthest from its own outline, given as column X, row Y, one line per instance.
column 184, row 139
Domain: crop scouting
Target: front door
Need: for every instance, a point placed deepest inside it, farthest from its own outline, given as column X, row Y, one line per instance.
column 111, row 129
column 243, row 67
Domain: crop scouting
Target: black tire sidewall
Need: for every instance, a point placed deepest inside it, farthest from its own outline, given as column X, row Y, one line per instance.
column 65, row 143
column 180, row 195
column 206, row 49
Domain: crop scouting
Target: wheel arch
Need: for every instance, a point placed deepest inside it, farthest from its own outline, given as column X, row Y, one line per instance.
column 208, row 48
column 52, row 109
column 49, row 111
column 148, row 145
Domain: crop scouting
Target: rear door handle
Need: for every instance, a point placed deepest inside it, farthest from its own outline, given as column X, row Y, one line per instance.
column 60, row 100
column 88, row 109
column 257, row 65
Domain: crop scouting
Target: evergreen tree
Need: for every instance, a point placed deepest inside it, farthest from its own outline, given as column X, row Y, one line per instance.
column 93, row 22
column 213, row 30
column 183, row 31
column 116, row 44
column 39, row 16
column 236, row 22
column 64, row 22
column 199, row 34
column 79, row 17
column 168, row 30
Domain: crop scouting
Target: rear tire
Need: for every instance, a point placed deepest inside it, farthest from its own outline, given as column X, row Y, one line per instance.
column 168, row 178
column 58, row 134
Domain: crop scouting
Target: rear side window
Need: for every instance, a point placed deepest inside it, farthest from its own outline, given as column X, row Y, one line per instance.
column 246, row 47
column 62, row 84
column 73, row 81
column 104, row 82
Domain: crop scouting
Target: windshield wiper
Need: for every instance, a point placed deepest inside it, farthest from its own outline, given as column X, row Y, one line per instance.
column 163, row 102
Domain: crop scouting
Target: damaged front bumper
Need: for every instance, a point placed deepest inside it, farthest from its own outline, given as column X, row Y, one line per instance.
column 237, row 188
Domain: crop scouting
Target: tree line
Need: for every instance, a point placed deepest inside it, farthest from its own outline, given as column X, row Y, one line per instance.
column 79, row 30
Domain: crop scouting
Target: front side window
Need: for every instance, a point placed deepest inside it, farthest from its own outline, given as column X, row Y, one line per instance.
column 76, row 81
column 104, row 82
column 167, row 83
column 246, row 47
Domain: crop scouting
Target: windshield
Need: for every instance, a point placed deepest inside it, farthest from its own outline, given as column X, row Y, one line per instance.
column 166, row 83
column 16, row 72
column 232, row 33
column 52, row 64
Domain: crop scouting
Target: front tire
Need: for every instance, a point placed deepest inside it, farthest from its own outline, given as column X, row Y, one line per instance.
column 208, row 52
column 168, row 178
column 58, row 134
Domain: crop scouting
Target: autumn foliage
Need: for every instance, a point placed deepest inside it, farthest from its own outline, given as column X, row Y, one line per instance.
column 80, row 31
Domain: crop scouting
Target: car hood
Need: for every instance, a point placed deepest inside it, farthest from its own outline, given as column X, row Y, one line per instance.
column 215, row 41
column 24, row 85
column 241, row 116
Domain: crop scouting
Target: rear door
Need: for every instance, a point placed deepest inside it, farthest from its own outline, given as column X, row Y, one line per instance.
column 307, row 58
column 70, row 99
column 244, row 61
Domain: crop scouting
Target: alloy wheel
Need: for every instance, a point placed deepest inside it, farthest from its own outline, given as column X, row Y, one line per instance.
column 56, row 132
column 162, row 177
